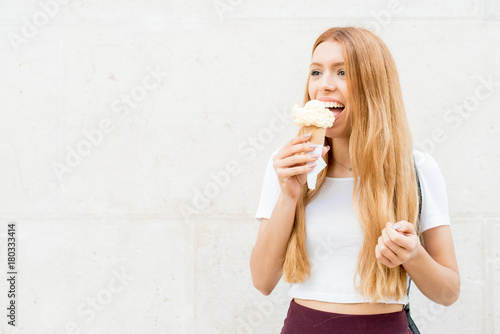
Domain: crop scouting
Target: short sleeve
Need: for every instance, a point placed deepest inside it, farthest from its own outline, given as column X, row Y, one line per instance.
column 434, row 196
column 270, row 191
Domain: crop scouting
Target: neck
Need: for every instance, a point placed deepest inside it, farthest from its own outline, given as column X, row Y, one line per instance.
column 340, row 150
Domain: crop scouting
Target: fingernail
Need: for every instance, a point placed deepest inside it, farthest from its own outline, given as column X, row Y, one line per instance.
column 396, row 226
column 307, row 135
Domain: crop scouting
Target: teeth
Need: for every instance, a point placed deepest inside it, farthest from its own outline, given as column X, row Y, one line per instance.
column 333, row 105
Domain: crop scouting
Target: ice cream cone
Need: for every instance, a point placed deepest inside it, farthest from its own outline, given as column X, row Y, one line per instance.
column 317, row 134
column 314, row 118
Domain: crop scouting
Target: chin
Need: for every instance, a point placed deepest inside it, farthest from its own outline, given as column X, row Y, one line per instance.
column 340, row 129
column 337, row 132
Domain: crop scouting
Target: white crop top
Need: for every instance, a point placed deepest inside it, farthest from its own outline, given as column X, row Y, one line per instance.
column 333, row 233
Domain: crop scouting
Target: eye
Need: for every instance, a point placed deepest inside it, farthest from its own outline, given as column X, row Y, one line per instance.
column 342, row 72
column 315, row 72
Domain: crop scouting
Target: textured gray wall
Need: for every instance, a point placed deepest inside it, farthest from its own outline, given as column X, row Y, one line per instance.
column 135, row 134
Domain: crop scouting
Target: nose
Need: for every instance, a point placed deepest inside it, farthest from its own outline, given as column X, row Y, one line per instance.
column 328, row 83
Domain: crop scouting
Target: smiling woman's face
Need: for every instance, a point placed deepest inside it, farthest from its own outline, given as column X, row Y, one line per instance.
column 327, row 82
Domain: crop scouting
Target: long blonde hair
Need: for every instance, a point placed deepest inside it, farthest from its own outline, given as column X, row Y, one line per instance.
column 381, row 152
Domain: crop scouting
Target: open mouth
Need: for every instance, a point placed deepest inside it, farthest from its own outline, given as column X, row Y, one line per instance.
column 335, row 108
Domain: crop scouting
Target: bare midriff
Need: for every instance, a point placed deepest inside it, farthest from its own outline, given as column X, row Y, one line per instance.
column 355, row 308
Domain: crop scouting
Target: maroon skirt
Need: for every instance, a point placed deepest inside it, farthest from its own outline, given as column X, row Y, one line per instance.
column 305, row 320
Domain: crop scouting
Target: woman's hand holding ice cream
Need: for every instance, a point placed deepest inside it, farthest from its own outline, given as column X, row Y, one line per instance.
column 290, row 164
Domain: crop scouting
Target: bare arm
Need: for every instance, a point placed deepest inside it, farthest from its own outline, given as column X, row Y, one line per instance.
column 434, row 268
column 266, row 261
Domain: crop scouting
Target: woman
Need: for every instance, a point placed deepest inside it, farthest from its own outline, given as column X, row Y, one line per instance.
column 349, row 247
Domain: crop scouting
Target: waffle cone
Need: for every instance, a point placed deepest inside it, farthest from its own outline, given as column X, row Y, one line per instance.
column 317, row 134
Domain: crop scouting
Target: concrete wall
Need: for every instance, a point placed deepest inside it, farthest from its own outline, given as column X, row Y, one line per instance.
column 134, row 138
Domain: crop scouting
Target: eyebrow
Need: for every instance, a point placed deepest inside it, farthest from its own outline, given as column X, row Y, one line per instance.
column 333, row 65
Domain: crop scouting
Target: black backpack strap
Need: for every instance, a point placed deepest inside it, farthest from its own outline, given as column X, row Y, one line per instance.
column 406, row 308
column 419, row 195
column 419, row 211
